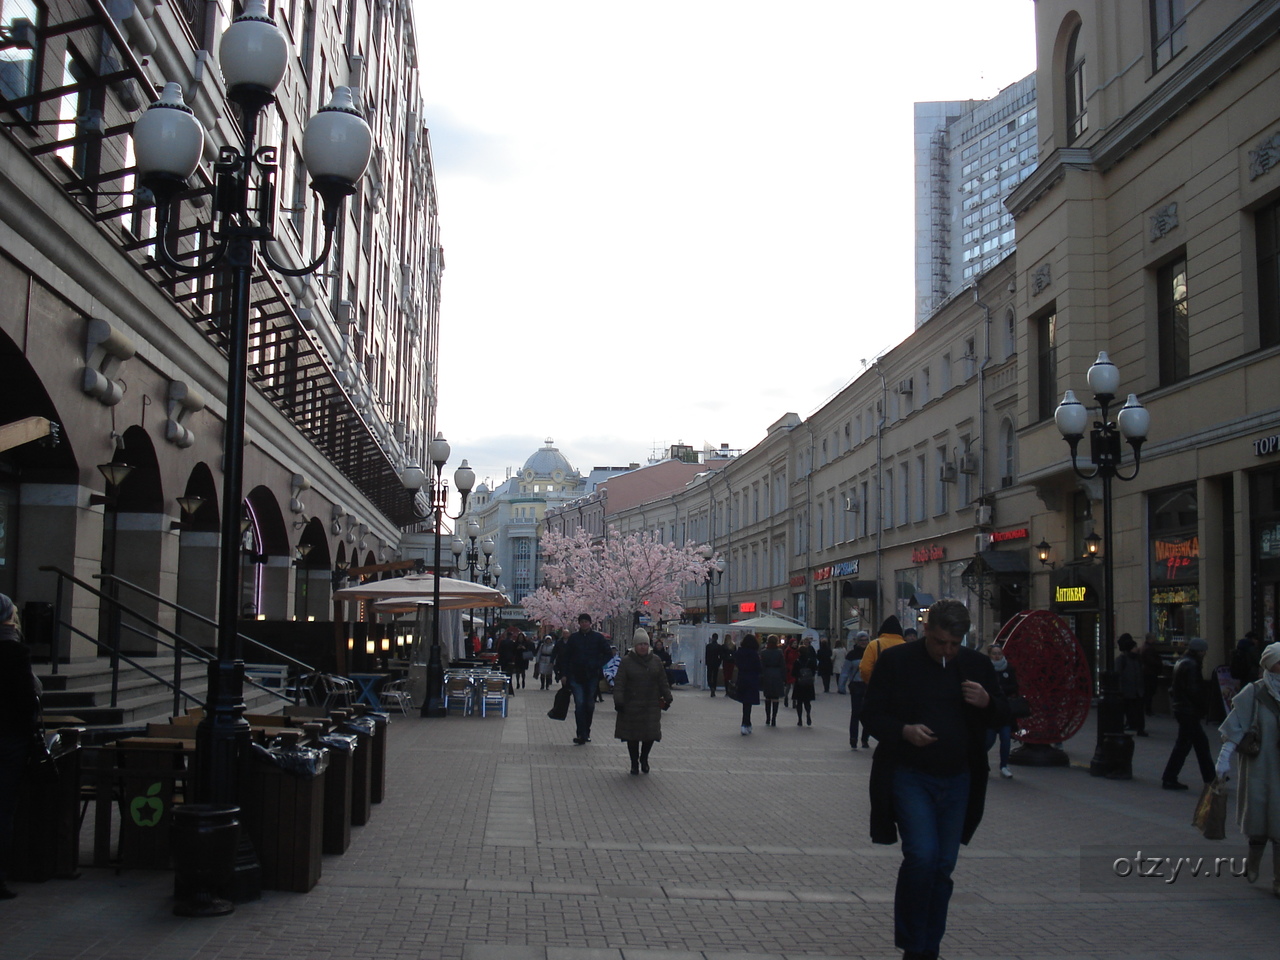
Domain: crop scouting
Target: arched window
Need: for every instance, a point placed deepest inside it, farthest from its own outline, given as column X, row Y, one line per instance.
column 1077, row 109
column 1010, row 333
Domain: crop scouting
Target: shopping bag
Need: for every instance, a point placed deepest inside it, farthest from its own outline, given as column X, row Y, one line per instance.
column 560, row 708
column 1211, row 811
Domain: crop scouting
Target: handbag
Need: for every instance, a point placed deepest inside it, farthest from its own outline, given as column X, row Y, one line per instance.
column 1250, row 744
column 1018, row 706
column 560, row 706
column 731, row 689
column 1211, row 811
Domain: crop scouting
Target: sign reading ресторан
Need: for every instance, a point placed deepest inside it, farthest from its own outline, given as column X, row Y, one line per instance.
column 1265, row 446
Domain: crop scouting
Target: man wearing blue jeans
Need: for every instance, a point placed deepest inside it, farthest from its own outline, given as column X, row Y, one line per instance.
column 929, row 705
column 585, row 654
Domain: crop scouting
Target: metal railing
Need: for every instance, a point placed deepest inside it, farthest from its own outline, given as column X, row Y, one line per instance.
column 179, row 645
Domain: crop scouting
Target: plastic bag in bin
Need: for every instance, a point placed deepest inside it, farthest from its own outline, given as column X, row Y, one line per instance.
column 341, row 741
column 306, row 762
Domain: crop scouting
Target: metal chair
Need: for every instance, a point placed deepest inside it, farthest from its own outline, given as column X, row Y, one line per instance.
column 458, row 690
column 493, row 692
column 338, row 691
column 396, row 692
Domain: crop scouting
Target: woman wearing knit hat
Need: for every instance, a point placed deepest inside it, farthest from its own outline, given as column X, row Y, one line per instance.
column 1257, row 707
column 19, row 716
column 640, row 694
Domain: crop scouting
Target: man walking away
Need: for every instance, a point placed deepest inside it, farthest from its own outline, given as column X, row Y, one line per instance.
column 929, row 704
column 585, row 654
column 1189, row 697
column 714, row 654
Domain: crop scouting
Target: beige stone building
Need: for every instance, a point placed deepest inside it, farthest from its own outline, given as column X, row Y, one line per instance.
column 1150, row 230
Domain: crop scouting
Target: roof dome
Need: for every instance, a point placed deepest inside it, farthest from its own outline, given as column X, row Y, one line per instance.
column 548, row 462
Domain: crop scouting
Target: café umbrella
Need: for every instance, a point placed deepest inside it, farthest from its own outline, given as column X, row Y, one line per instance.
column 421, row 587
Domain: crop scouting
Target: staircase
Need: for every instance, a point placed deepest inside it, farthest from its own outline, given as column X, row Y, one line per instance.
column 80, row 692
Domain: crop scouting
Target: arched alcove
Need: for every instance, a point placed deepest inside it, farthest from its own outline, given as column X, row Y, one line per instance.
column 134, row 533
column 198, row 539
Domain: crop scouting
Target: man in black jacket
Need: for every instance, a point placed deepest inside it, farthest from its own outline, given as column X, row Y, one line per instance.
column 714, row 654
column 585, row 654
column 1188, row 694
column 929, row 704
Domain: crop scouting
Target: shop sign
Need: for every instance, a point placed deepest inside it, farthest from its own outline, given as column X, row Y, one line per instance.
column 931, row 552
column 847, row 569
column 1269, row 542
column 747, row 607
column 1165, row 595
column 776, row 604
column 1000, row 536
column 798, row 580
column 822, row 573
column 1176, row 558
column 1073, row 589
column 1266, row 446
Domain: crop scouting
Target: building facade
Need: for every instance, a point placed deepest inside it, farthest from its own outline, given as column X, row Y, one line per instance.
column 128, row 359
column 1150, row 229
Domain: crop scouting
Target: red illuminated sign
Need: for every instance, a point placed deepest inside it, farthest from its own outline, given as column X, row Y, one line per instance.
column 1000, row 535
column 931, row 552
column 746, row 608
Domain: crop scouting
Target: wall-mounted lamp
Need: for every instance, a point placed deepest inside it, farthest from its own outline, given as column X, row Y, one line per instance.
column 189, row 506
column 1091, row 544
column 1043, row 552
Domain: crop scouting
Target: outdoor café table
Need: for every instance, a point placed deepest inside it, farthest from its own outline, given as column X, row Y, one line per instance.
column 369, row 684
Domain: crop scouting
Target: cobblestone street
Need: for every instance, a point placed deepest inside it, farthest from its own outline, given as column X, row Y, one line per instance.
column 500, row 839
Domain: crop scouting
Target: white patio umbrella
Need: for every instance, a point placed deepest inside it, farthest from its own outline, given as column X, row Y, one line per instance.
column 422, row 586
column 768, row 623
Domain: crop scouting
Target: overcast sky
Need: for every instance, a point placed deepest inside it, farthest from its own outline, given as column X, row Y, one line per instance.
column 675, row 221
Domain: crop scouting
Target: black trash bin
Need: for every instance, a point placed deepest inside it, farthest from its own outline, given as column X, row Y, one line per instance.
column 362, row 771
column 282, row 808
column 378, row 762
column 205, row 838
column 46, row 824
column 338, row 780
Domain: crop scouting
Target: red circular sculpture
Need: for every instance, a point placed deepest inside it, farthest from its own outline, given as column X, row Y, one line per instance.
column 1053, row 675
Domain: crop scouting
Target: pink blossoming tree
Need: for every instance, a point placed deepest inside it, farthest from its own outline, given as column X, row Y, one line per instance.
column 612, row 579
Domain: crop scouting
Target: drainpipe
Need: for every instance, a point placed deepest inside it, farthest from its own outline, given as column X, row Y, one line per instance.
column 884, row 415
column 808, row 518
column 982, row 438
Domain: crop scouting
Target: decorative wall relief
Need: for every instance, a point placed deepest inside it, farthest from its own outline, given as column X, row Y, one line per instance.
column 1164, row 220
column 1041, row 279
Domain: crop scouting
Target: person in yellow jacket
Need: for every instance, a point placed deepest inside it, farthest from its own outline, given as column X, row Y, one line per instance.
column 890, row 636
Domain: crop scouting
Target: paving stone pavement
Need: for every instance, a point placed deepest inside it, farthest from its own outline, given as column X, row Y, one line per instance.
column 500, row 839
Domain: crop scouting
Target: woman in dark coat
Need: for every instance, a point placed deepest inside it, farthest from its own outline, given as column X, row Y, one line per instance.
column 803, row 672
column 826, row 664
column 19, row 721
column 773, row 679
column 747, row 661
column 640, row 694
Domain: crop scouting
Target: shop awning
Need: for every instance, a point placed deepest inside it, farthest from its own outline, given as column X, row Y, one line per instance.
column 997, row 563
column 859, row 589
column 921, row 601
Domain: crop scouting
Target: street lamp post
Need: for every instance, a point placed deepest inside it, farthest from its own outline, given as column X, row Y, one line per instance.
column 473, row 552
column 715, row 572
column 168, row 142
column 1113, row 756
column 437, row 489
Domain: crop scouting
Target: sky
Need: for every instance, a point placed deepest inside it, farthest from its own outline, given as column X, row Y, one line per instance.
column 676, row 221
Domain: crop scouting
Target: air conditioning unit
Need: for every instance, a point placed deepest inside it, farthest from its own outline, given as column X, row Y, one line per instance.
column 906, row 386
column 981, row 542
column 947, row 472
column 983, row 515
column 969, row 463
column 851, row 505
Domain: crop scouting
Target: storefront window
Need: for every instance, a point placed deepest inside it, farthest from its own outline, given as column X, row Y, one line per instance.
column 907, row 583
column 1175, row 564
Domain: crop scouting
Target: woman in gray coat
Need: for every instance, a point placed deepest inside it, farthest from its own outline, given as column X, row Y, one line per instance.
column 640, row 694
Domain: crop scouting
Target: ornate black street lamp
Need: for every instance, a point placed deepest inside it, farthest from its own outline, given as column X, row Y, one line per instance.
column 437, row 491
column 1113, row 756
column 458, row 547
column 713, row 576
column 168, row 142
